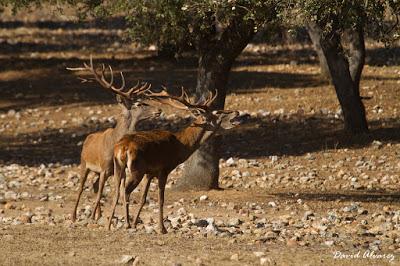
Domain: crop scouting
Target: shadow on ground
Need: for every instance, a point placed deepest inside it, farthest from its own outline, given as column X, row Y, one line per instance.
column 362, row 196
column 258, row 139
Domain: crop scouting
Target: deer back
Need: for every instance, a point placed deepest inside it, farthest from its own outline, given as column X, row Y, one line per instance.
column 150, row 151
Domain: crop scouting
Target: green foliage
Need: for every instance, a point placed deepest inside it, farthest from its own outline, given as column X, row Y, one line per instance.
column 377, row 17
column 184, row 22
column 18, row 4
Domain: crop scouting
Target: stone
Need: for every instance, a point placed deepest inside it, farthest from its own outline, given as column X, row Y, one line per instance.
column 234, row 222
column 235, row 257
column 266, row 261
column 201, row 223
column 125, row 259
column 307, row 215
column 149, row 229
column 259, row 253
column 230, row 162
column 329, row 243
column 9, row 206
column 26, row 219
column 203, row 197
column 10, row 195
column 182, row 211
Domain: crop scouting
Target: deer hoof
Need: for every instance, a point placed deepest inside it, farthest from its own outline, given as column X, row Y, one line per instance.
column 127, row 225
column 163, row 230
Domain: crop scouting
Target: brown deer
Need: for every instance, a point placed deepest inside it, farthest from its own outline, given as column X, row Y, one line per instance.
column 156, row 153
column 97, row 149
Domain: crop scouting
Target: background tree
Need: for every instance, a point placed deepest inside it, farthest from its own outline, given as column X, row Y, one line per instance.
column 328, row 22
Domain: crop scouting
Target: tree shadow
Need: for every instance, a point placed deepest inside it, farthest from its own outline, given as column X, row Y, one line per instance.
column 50, row 84
column 301, row 135
column 117, row 22
column 259, row 138
column 362, row 196
column 383, row 56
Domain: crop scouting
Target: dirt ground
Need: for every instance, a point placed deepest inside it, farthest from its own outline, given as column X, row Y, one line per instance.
column 284, row 174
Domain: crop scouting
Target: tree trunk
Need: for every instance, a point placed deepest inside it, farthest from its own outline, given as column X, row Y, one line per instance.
column 315, row 38
column 216, row 57
column 342, row 74
column 356, row 54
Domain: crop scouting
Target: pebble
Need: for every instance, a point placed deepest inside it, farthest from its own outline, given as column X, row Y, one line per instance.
column 234, row 222
column 266, row 261
column 259, row 253
column 230, row 162
column 307, row 215
column 10, row 195
column 10, row 206
column 235, row 257
column 125, row 259
column 203, row 197
column 149, row 229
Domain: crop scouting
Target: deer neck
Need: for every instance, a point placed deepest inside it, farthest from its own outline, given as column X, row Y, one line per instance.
column 192, row 137
column 123, row 126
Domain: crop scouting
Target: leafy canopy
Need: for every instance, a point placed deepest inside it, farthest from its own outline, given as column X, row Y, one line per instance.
column 380, row 18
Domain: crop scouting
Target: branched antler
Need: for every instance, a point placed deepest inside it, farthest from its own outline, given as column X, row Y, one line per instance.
column 135, row 91
column 183, row 101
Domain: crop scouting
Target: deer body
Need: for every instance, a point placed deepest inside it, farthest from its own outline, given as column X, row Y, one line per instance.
column 156, row 154
column 97, row 152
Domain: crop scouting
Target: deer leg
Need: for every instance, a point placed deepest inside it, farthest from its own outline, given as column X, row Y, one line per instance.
column 162, row 179
column 96, row 184
column 96, row 206
column 134, row 180
column 119, row 174
column 143, row 200
column 84, row 174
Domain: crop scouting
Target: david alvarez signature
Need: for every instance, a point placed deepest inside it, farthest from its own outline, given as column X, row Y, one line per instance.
column 368, row 254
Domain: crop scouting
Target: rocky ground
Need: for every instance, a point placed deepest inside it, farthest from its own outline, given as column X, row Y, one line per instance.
column 296, row 189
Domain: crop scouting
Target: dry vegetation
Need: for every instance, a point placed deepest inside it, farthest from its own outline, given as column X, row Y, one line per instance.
column 296, row 189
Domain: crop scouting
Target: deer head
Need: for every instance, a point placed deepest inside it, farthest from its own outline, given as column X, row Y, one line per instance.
column 204, row 116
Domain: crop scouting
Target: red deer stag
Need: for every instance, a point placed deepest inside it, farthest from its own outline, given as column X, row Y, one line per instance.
column 97, row 149
column 156, row 153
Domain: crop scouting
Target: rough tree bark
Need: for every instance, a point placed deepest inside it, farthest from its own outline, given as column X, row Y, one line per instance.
column 315, row 39
column 217, row 53
column 345, row 74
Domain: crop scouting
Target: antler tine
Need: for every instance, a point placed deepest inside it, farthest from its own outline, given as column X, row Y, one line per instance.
column 181, row 102
column 141, row 90
column 110, row 84
column 91, row 62
column 122, row 80
column 211, row 98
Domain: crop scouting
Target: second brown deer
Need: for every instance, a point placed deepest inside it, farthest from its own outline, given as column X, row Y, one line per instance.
column 156, row 153
column 97, row 149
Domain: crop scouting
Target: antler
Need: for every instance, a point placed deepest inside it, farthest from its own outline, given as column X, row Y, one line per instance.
column 136, row 90
column 183, row 99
